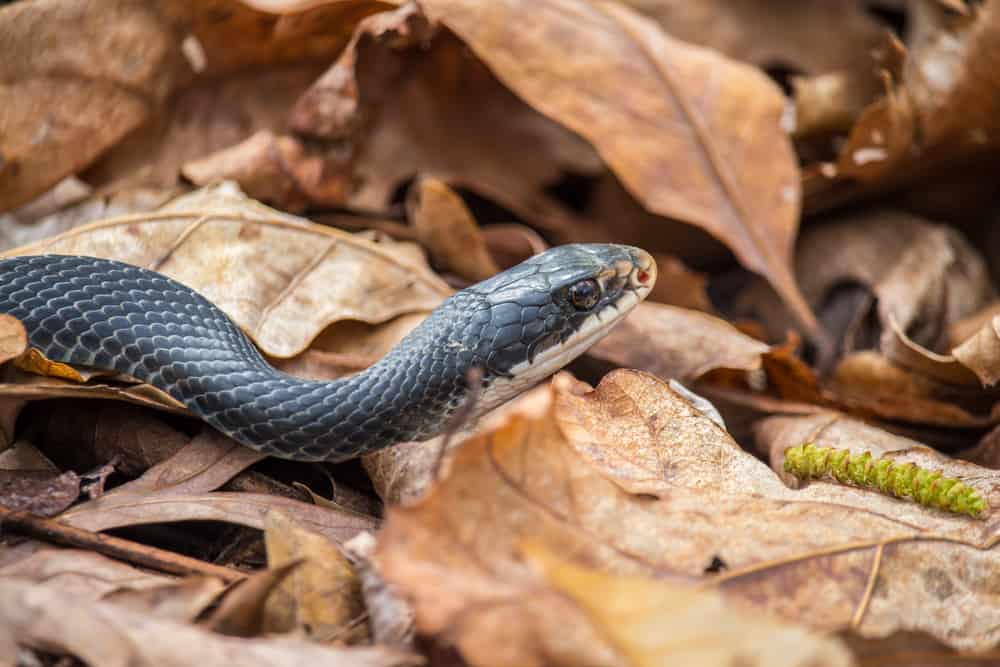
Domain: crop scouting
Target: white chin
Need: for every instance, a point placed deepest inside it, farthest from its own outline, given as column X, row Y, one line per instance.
column 526, row 374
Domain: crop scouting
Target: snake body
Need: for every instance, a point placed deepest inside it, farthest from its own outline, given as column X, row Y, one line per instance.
column 518, row 327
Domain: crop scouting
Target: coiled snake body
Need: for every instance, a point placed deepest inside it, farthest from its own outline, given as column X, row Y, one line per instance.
column 519, row 327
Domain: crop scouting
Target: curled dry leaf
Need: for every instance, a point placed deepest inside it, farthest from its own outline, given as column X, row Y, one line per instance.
column 66, row 103
column 445, row 226
column 678, row 343
column 386, row 99
column 924, row 276
column 938, row 110
column 634, row 480
column 282, row 279
column 655, row 623
column 322, row 595
column 274, row 169
column 720, row 161
column 101, row 633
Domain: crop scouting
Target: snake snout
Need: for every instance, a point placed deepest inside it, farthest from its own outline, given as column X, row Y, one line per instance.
column 642, row 275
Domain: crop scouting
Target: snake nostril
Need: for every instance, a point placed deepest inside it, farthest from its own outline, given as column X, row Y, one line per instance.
column 642, row 276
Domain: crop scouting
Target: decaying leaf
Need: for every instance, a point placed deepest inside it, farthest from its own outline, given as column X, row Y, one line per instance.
column 82, row 573
column 654, row 623
column 812, row 36
column 101, row 633
column 445, row 226
column 719, row 161
column 633, row 480
column 13, row 338
column 386, row 96
column 678, row 343
column 321, row 595
column 64, row 105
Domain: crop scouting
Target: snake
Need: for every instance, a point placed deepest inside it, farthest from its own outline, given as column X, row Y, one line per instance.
column 517, row 327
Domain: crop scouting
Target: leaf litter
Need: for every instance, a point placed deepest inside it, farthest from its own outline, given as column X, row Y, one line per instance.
column 815, row 183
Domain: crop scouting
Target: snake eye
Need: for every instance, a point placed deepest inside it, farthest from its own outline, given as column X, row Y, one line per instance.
column 585, row 294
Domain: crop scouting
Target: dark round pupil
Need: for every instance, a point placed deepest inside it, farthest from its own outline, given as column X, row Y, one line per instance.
column 584, row 294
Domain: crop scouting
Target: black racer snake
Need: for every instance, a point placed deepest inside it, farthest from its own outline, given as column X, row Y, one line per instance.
column 518, row 327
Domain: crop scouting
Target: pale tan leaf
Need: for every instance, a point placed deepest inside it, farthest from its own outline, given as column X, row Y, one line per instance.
column 100, row 633
column 279, row 277
column 655, row 623
column 322, row 595
column 115, row 510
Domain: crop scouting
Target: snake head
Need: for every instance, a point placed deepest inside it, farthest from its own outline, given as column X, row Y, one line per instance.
column 541, row 314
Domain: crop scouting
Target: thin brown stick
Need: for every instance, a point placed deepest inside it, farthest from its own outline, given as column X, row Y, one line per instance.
column 474, row 381
column 54, row 532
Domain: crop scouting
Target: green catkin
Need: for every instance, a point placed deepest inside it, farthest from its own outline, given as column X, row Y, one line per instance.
column 926, row 487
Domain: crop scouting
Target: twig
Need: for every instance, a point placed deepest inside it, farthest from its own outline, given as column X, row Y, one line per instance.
column 474, row 382
column 48, row 530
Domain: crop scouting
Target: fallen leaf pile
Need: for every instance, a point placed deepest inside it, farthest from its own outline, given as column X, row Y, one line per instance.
column 818, row 182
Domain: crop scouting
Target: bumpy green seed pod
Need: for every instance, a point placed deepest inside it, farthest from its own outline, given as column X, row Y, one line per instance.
column 923, row 486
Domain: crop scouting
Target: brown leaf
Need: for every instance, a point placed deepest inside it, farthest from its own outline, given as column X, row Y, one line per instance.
column 115, row 510
column 981, row 353
column 100, row 633
column 937, row 112
column 445, row 226
column 65, row 101
column 284, row 280
column 406, row 99
column 13, row 338
column 243, row 612
column 654, row 623
column 322, row 595
column 183, row 600
column 633, row 480
column 889, row 279
column 678, row 343
column 42, row 493
column 82, row 573
column 813, row 36
column 718, row 161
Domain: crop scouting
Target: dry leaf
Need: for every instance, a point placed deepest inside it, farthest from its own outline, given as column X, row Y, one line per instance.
column 243, row 612
column 634, row 480
column 115, row 510
column 282, row 279
column 720, row 161
column 654, row 623
column 811, row 36
column 322, row 595
column 445, row 226
column 13, row 338
column 65, row 101
column 406, row 99
column 981, row 353
column 678, row 343
column 183, row 600
column 82, row 573
column 42, row 493
column 100, row 633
